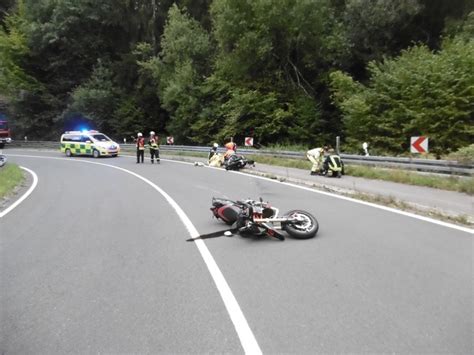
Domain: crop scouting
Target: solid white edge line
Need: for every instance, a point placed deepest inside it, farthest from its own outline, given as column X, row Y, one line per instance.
column 385, row 208
column 25, row 195
column 247, row 338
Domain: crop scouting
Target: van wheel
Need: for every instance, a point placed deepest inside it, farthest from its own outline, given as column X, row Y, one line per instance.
column 68, row 153
column 96, row 153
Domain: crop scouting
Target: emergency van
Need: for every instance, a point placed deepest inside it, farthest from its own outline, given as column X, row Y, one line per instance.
column 91, row 143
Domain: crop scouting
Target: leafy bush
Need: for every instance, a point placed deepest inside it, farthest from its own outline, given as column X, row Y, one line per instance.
column 465, row 155
column 418, row 93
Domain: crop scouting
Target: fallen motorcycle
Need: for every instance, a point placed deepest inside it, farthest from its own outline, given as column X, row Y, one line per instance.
column 261, row 219
column 237, row 162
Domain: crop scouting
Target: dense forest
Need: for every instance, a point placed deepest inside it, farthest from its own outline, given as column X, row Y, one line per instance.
column 287, row 72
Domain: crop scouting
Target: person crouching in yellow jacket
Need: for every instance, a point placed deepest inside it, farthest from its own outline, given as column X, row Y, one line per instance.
column 214, row 158
column 316, row 156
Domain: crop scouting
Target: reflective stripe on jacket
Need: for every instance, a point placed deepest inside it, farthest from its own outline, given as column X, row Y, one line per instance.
column 153, row 143
column 140, row 143
column 335, row 163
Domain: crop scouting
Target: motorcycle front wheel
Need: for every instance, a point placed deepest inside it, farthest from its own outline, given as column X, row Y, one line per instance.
column 304, row 225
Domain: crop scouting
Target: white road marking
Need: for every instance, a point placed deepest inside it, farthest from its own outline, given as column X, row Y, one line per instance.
column 246, row 336
column 385, row 208
column 25, row 195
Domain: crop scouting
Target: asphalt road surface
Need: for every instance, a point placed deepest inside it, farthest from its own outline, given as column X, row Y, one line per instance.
column 96, row 260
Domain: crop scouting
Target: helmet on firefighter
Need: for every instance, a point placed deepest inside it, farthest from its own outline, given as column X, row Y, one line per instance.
column 139, row 134
column 152, row 133
column 215, row 145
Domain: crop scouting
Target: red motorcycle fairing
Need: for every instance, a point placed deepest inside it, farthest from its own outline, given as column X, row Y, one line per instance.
column 228, row 213
column 259, row 218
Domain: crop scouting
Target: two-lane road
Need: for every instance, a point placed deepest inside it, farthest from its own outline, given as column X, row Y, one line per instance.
column 96, row 260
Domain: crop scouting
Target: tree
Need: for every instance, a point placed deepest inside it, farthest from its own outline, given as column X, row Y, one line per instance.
column 96, row 100
column 280, row 50
column 435, row 16
column 204, row 69
column 277, row 41
column 183, row 63
column 65, row 39
column 5, row 8
column 378, row 28
column 13, row 50
column 23, row 93
column 382, row 28
column 418, row 93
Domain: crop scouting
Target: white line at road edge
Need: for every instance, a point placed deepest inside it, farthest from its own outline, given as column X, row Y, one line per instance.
column 25, row 195
column 408, row 214
column 247, row 338
column 385, row 208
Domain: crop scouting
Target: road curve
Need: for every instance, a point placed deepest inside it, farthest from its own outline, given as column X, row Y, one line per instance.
column 96, row 261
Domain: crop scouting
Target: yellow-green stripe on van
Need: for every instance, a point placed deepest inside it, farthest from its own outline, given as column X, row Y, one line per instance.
column 77, row 148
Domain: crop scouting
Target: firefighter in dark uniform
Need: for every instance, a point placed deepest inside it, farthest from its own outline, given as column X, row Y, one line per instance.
column 140, row 144
column 154, row 148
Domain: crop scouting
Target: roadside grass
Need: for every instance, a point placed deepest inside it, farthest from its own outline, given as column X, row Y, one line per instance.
column 10, row 177
column 286, row 147
column 287, row 163
column 452, row 183
column 464, row 155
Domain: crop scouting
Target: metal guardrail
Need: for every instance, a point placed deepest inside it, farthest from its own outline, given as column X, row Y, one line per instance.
column 427, row 165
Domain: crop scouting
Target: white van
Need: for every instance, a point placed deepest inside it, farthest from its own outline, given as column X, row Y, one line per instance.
column 91, row 143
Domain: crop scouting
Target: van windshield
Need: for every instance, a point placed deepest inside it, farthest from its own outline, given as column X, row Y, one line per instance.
column 101, row 137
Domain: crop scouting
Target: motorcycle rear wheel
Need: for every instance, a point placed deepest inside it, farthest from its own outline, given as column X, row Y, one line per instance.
column 307, row 228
